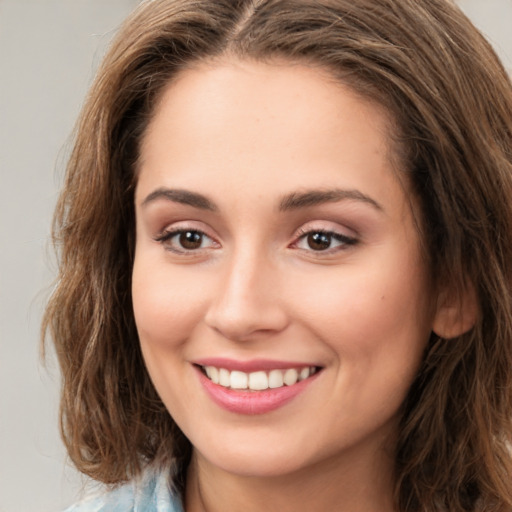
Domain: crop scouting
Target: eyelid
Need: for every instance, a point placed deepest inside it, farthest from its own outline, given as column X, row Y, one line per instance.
column 177, row 226
column 167, row 234
column 345, row 240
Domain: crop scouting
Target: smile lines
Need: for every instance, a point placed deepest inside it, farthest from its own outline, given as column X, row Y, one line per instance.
column 257, row 381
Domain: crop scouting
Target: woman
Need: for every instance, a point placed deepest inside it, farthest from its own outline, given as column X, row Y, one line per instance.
column 285, row 239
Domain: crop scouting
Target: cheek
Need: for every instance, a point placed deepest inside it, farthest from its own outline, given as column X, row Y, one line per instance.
column 166, row 305
column 166, row 309
column 376, row 327
column 374, row 317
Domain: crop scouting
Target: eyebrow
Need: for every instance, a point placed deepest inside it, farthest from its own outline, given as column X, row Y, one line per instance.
column 183, row 197
column 293, row 201
column 309, row 198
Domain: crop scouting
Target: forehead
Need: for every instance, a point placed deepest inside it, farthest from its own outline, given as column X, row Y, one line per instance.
column 251, row 92
column 265, row 127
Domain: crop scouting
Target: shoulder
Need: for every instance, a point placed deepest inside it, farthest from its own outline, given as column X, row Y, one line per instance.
column 150, row 493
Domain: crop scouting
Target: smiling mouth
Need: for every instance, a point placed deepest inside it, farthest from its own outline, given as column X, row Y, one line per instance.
column 258, row 380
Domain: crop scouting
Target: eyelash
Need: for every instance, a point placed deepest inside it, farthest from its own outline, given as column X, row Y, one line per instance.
column 344, row 240
column 168, row 235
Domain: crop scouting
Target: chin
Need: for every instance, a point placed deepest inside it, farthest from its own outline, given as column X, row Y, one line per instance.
column 253, row 457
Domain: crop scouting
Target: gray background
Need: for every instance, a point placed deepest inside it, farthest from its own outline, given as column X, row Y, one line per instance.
column 48, row 52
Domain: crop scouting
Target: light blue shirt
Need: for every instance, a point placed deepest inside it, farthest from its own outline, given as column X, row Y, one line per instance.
column 150, row 493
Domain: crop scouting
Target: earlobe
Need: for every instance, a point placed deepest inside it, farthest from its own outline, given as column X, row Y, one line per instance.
column 456, row 313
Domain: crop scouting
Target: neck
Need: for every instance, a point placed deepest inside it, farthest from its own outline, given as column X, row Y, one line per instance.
column 348, row 484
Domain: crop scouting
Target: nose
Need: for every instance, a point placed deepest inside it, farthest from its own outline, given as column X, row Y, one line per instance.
column 248, row 300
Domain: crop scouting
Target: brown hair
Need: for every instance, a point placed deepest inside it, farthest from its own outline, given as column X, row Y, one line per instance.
column 452, row 102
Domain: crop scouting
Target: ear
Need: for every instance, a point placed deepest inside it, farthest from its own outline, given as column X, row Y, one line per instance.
column 456, row 312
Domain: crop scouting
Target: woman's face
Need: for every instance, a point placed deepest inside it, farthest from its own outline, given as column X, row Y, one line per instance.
column 276, row 249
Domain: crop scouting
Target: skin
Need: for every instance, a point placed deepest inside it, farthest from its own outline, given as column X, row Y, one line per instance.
column 246, row 135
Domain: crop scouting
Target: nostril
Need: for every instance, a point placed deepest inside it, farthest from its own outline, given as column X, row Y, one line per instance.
column 246, row 320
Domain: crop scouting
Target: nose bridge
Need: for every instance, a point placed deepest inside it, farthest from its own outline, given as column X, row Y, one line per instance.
column 245, row 300
column 242, row 275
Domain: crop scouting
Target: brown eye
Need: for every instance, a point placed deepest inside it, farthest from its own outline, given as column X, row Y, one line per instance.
column 190, row 240
column 182, row 241
column 324, row 241
column 319, row 241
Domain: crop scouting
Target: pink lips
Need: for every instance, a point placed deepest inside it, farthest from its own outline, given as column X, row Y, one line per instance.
column 251, row 402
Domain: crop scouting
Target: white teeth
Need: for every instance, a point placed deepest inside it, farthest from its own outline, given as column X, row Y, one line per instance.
column 304, row 374
column 224, row 378
column 291, row 376
column 239, row 380
column 275, row 379
column 213, row 374
column 260, row 380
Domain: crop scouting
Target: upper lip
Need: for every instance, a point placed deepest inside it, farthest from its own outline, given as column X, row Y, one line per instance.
column 252, row 365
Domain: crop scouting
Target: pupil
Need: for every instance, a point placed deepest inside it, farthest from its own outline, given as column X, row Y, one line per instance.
column 190, row 240
column 319, row 241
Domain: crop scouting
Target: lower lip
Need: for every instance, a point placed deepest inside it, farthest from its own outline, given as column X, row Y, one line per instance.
column 253, row 402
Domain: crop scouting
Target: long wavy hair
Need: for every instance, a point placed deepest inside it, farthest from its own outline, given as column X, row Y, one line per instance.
column 451, row 101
